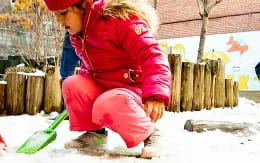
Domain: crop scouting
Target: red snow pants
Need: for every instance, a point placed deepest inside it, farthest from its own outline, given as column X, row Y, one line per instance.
column 119, row 109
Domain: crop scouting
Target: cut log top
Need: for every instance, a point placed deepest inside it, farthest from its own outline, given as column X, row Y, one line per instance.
column 37, row 73
column 19, row 69
column 247, row 129
column 3, row 82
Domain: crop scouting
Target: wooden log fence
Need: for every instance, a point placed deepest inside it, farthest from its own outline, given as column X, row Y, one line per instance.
column 29, row 93
column 194, row 87
column 201, row 86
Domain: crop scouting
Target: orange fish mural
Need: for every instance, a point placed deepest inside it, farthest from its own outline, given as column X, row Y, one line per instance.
column 236, row 46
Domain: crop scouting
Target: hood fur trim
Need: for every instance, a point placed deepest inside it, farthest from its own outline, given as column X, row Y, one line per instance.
column 140, row 8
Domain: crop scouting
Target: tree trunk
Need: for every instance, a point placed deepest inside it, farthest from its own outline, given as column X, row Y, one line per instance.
column 15, row 93
column 2, row 96
column 205, row 6
column 175, row 63
column 202, row 38
column 34, row 95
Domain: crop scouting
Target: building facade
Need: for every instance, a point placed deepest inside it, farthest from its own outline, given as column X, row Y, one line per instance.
column 233, row 35
column 180, row 18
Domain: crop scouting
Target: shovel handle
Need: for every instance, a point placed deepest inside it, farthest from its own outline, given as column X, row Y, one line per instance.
column 60, row 118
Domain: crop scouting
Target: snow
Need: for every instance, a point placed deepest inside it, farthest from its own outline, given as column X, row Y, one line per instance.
column 178, row 145
column 3, row 82
column 36, row 73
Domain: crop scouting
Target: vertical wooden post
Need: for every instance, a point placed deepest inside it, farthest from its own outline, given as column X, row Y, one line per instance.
column 52, row 93
column 198, row 87
column 229, row 93
column 219, row 100
column 15, row 93
column 175, row 64
column 186, row 86
column 34, row 95
column 2, row 96
column 213, row 90
column 214, row 69
column 207, row 87
column 235, row 93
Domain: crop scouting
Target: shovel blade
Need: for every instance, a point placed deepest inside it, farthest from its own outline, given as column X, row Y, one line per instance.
column 37, row 141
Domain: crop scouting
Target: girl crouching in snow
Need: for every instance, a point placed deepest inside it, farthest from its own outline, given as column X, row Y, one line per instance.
column 124, row 81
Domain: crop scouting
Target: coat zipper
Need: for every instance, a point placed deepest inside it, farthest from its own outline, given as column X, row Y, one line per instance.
column 84, row 43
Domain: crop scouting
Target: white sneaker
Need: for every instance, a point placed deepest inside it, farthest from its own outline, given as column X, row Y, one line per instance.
column 152, row 146
column 89, row 141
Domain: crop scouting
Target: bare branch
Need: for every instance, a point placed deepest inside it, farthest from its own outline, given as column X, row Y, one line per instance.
column 201, row 7
column 213, row 4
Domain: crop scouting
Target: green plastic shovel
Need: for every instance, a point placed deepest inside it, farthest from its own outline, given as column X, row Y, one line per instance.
column 40, row 139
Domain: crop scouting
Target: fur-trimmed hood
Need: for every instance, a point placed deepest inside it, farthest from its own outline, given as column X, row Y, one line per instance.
column 124, row 8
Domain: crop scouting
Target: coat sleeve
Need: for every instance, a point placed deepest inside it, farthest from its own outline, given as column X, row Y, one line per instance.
column 136, row 39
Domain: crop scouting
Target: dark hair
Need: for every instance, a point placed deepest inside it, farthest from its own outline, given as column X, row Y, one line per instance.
column 79, row 5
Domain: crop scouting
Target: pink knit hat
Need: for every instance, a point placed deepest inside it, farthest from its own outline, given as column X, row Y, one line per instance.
column 55, row 5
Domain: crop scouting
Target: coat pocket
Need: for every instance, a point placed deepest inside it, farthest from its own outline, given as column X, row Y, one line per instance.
column 124, row 75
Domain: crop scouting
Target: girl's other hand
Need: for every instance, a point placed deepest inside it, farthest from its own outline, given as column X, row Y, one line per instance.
column 154, row 109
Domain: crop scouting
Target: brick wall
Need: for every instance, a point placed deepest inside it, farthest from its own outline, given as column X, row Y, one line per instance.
column 180, row 18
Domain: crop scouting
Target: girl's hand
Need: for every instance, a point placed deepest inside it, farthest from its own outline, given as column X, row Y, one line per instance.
column 154, row 109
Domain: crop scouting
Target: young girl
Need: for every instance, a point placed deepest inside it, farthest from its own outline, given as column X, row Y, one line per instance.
column 124, row 81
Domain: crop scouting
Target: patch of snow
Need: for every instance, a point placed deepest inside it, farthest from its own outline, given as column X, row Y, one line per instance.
column 178, row 145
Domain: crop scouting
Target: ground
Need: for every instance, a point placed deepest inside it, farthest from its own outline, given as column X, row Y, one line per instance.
column 178, row 145
column 252, row 95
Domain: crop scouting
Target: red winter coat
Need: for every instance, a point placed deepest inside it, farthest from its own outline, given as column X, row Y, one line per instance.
column 123, row 53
